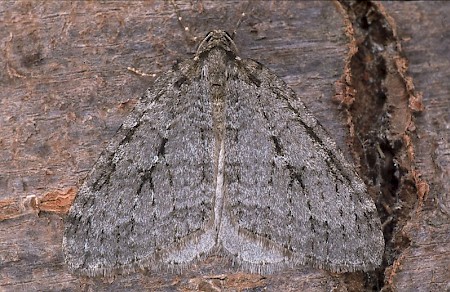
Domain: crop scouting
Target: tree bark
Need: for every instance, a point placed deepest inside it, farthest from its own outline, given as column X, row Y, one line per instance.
column 374, row 74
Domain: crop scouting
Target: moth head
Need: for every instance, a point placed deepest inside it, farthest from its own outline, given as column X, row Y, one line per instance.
column 217, row 38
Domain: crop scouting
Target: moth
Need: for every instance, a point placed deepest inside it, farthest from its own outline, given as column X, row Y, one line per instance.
column 220, row 156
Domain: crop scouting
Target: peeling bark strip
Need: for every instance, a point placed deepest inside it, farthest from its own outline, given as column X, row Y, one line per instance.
column 54, row 202
column 381, row 104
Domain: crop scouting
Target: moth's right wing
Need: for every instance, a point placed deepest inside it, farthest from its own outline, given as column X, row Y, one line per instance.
column 148, row 200
column 290, row 196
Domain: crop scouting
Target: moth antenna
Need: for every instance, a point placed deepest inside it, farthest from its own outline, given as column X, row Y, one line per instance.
column 188, row 35
column 243, row 14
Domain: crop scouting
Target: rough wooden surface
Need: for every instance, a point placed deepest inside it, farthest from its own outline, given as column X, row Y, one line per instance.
column 66, row 89
column 424, row 30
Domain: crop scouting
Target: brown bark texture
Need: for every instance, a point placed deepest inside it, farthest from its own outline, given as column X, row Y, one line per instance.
column 375, row 74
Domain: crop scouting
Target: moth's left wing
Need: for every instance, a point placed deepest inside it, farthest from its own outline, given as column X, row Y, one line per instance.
column 148, row 201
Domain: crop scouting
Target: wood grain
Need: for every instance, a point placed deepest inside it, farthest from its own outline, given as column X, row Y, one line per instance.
column 361, row 69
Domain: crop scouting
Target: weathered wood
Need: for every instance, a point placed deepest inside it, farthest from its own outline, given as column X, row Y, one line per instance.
column 66, row 89
column 423, row 27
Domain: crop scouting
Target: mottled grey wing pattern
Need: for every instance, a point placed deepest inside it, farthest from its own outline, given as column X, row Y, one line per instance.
column 221, row 155
column 291, row 198
column 140, row 200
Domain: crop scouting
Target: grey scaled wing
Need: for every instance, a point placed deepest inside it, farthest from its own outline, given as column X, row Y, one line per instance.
column 291, row 197
column 148, row 201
